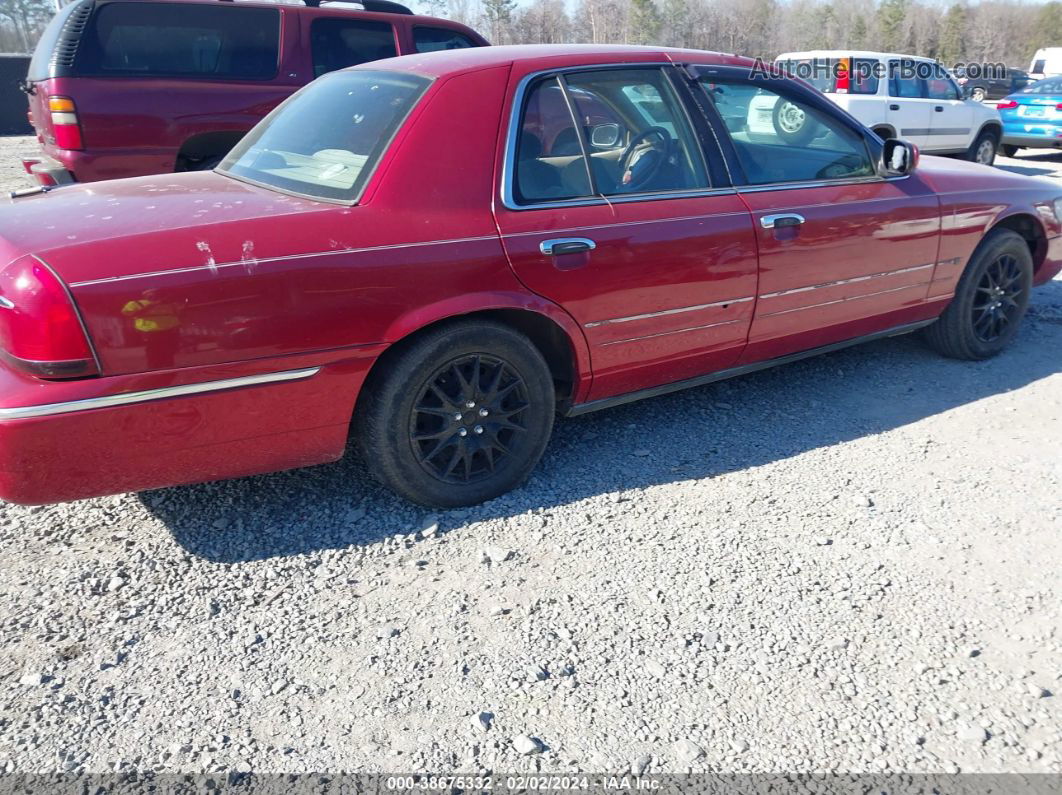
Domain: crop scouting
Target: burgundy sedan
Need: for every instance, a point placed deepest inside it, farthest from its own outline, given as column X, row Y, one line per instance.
column 438, row 253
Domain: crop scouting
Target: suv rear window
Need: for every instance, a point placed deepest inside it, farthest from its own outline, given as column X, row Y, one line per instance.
column 325, row 141
column 338, row 43
column 432, row 39
column 187, row 40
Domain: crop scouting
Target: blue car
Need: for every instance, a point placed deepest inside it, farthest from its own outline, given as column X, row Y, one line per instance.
column 1032, row 117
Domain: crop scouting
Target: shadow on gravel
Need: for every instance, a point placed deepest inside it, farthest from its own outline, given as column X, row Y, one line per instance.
column 696, row 434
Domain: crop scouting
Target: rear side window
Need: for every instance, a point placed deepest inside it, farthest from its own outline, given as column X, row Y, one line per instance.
column 188, row 40
column 432, row 39
column 836, row 75
column 339, row 43
column 1038, row 67
column 325, row 141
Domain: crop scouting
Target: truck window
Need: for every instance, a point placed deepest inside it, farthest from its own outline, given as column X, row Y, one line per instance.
column 188, row 40
column 432, row 39
column 338, row 43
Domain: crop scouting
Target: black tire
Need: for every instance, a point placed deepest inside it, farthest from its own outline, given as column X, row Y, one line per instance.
column 958, row 332
column 979, row 94
column 1009, row 150
column 412, row 404
column 978, row 149
column 794, row 127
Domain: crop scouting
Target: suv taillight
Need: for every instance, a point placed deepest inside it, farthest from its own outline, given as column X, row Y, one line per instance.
column 844, row 77
column 40, row 329
column 65, row 124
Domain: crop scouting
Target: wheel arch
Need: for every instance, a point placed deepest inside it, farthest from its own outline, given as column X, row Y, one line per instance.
column 551, row 330
column 1031, row 229
column 991, row 125
column 888, row 129
column 205, row 145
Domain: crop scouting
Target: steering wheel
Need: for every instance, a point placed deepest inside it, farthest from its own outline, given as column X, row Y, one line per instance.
column 638, row 167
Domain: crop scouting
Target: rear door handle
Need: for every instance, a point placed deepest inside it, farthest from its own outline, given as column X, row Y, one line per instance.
column 939, row 108
column 781, row 220
column 894, row 107
column 566, row 245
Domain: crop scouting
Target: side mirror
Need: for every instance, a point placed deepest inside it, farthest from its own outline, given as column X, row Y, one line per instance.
column 898, row 157
column 605, row 136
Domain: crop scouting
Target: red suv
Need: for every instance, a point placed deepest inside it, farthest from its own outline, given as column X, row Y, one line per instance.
column 124, row 88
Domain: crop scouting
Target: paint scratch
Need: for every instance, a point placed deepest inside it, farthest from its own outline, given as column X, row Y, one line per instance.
column 203, row 246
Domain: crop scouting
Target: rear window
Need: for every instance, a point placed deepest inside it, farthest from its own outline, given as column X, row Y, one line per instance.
column 325, row 141
column 826, row 74
column 1052, row 85
column 433, row 39
column 184, row 40
column 40, row 66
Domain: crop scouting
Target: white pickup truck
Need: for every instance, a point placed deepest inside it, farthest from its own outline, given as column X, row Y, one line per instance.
column 895, row 95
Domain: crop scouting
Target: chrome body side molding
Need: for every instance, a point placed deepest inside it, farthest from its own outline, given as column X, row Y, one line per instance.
column 129, row 398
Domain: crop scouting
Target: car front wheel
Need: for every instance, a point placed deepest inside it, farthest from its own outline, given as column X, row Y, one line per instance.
column 460, row 415
column 990, row 300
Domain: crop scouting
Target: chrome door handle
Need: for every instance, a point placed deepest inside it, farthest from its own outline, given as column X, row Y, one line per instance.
column 566, row 245
column 780, row 220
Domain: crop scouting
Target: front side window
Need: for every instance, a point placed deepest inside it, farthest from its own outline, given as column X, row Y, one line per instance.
column 434, row 39
column 780, row 138
column 941, row 86
column 337, row 43
column 159, row 39
column 611, row 132
column 326, row 140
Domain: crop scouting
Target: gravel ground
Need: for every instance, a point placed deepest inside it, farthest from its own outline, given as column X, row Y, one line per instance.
column 846, row 564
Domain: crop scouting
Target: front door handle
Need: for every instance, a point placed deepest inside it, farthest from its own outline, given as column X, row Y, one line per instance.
column 781, row 220
column 894, row 107
column 939, row 108
column 566, row 245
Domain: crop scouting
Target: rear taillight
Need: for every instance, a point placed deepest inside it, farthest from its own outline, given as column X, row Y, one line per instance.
column 1058, row 106
column 65, row 124
column 1006, row 104
column 844, row 77
column 40, row 329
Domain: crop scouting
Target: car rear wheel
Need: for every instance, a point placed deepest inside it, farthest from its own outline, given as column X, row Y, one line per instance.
column 978, row 94
column 459, row 416
column 1009, row 150
column 990, row 300
column 983, row 150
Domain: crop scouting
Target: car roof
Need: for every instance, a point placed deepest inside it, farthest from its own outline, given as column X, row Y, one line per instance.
column 851, row 54
column 329, row 7
column 546, row 56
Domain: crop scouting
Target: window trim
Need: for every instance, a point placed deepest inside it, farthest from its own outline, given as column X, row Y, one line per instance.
column 741, row 182
column 520, row 96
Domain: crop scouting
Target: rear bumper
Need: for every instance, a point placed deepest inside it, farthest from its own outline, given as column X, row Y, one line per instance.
column 71, row 440
column 46, row 171
column 64, row 165
column 1042, row 136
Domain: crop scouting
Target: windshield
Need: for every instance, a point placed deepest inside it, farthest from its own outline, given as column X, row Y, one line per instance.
column 325, row 141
